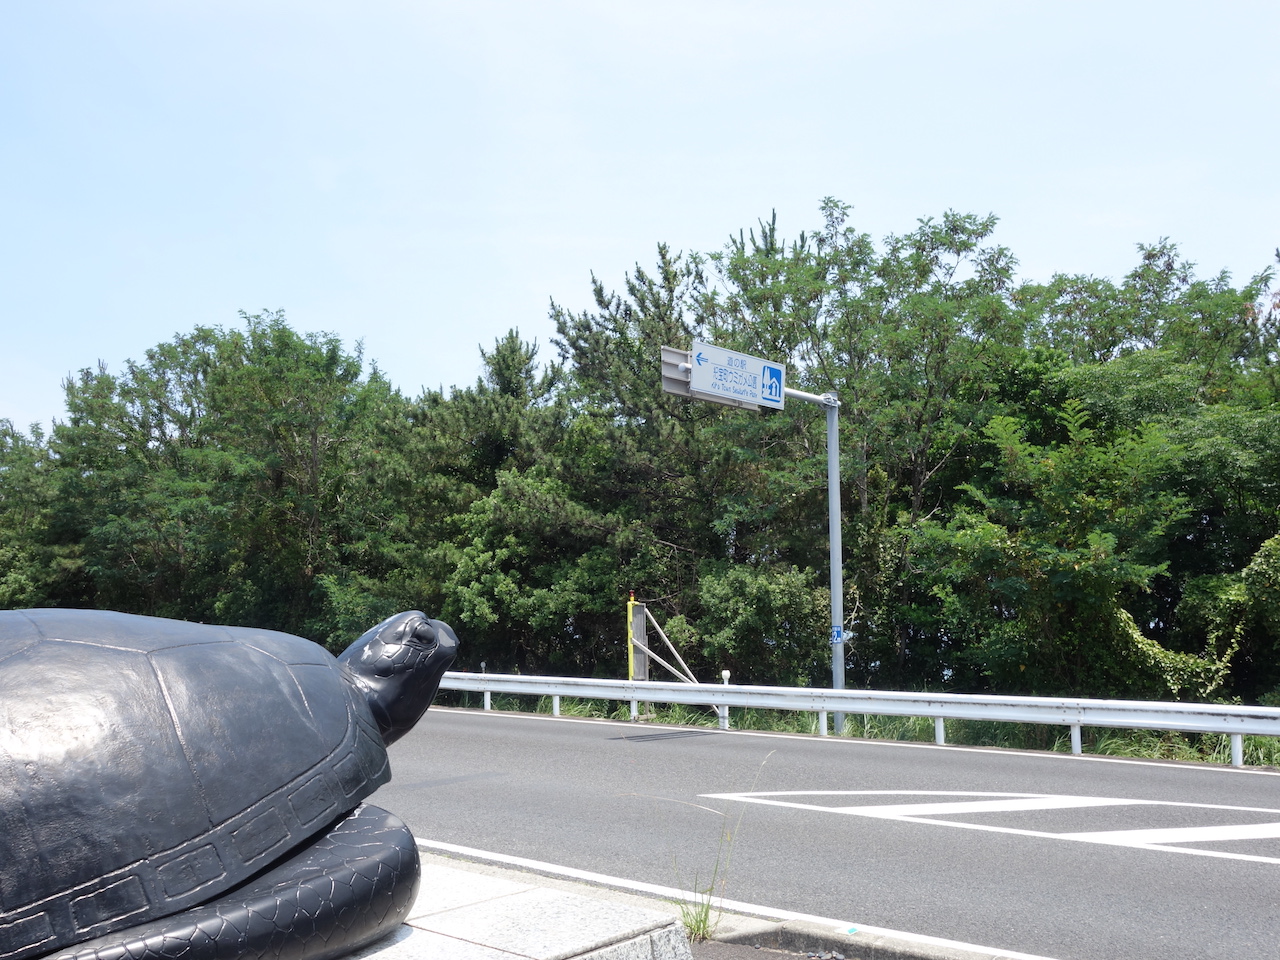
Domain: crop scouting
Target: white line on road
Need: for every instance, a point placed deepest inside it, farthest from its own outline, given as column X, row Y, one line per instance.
column 1234, row 831
column 757, row 797
column 984, row 806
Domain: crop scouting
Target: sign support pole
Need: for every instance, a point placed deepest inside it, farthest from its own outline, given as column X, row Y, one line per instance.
column 739, row 380
column 832, row 404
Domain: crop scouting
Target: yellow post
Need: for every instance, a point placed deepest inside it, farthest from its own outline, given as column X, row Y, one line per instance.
column 631, row 636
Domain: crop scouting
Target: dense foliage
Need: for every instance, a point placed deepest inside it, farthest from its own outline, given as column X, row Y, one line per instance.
column 1067, row 487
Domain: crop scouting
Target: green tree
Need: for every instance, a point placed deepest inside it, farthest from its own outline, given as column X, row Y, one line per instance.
column 232, row 476
column 913, row 338
column 29, row 569
column 1036, row 577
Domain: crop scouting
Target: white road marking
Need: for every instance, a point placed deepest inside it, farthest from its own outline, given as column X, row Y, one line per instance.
column 923, row 812
column 984, row 806
column 1235, row 831
column 892, row 811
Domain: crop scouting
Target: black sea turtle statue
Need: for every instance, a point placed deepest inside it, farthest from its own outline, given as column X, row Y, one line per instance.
column 192, row 792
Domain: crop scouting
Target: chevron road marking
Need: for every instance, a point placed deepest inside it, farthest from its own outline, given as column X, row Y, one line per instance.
column 924, row 812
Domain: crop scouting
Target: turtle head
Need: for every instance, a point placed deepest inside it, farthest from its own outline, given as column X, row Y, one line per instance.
column 397, row 666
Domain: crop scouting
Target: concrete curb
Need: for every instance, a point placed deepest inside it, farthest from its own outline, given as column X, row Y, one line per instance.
column 801, row 936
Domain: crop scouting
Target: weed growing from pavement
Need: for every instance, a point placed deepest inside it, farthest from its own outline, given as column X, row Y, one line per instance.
column 698, row 914
column 695, row 916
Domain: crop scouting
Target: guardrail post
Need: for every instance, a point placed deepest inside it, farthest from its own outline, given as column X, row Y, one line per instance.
column 939, row 731
column 1237, row 750
column 723, row 712
column 488, row 704
column 822, row 723
column 555, row 705
column 1076, row 748
column 637, row 643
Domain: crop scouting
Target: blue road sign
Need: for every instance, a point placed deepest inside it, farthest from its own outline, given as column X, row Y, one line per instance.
column 739, row 379
column 771, row 388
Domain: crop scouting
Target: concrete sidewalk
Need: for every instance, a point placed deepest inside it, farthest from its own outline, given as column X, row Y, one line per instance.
column 468, row 911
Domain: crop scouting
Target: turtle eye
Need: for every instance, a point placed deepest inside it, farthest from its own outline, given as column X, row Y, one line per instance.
column 424, row 633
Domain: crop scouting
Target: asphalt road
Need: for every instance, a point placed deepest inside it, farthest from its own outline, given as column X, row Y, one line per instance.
column 1066, row 857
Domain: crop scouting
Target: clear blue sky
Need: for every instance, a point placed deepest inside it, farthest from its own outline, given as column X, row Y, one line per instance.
column 425, row 176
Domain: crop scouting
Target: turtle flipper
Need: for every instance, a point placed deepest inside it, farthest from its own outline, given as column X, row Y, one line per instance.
column 347, row 888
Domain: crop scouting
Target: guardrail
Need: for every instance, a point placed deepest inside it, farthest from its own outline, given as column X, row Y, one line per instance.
column 1073, row 712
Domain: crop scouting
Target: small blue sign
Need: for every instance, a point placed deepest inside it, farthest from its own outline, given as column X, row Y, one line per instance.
column 837, row 633
column 771, row 389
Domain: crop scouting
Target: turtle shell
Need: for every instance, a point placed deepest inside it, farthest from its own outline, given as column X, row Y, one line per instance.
column 147, row 765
